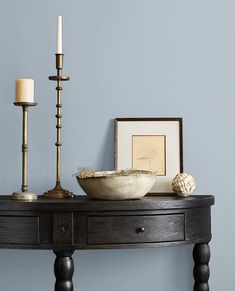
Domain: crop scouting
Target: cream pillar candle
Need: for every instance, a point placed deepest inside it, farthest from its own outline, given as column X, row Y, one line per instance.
column 24, row 90
column 59, row 35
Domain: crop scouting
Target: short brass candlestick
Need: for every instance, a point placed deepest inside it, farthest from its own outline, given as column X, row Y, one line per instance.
column 24, row 195
column 58, row 191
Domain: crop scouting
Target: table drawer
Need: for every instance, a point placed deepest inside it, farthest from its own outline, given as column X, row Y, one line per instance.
column 19, row 230
column 134, row 229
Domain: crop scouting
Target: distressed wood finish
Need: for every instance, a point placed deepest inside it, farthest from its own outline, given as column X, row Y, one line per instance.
column 63, row 269
column 134, row 229
column 201, row 271
column 81, row 223
column 19, row 230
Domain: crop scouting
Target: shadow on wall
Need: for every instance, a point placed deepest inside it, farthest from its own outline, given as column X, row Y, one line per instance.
column 105, row 157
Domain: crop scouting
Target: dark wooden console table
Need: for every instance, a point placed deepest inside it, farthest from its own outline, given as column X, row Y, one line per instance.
column 81, row 223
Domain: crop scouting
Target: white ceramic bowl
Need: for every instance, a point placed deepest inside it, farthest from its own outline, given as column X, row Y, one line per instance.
column 112, row 185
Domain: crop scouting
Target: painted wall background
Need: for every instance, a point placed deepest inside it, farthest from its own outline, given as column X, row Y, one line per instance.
column 126, row 58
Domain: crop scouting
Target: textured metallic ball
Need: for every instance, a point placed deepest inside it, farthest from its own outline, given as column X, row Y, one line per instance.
column 183, row 184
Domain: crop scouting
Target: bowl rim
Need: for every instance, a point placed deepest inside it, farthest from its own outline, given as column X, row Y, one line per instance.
column 118, row 173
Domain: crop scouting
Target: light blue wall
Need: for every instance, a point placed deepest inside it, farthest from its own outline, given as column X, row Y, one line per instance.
column 126, row 58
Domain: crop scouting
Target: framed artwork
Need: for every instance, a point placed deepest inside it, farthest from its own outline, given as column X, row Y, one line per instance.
column 152, row 144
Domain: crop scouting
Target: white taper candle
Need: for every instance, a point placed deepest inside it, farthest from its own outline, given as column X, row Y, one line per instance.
column 59, row 35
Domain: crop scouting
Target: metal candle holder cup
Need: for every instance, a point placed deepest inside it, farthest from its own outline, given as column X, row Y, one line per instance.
column 24, row 195
column 58, row 191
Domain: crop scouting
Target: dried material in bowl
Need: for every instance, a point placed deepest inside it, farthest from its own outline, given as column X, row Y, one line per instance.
column 118, row 185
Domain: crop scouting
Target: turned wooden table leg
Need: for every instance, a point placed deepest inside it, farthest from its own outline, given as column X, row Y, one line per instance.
column 63, row 269
column 201, row 271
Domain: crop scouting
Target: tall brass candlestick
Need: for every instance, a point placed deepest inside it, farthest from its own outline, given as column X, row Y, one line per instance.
column 58, row 191
column 24, row 195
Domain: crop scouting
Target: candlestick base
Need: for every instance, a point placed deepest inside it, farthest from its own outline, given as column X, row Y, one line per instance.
column 28, row 196
column 25, row 103
column 58, row 193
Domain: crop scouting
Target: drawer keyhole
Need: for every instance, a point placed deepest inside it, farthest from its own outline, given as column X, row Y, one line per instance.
column 140, row 229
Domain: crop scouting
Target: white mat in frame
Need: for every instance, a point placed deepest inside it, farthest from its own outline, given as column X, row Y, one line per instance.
column 161, row 143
